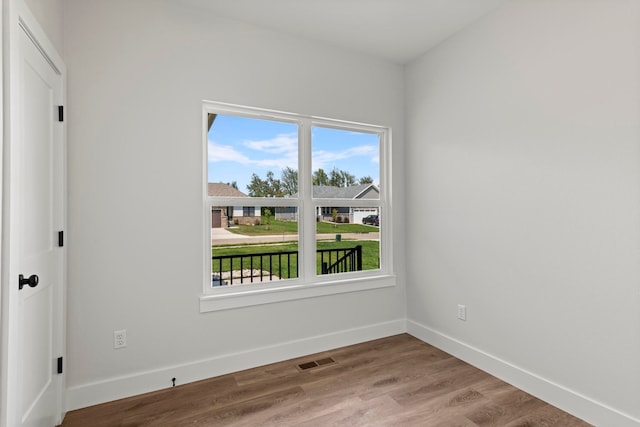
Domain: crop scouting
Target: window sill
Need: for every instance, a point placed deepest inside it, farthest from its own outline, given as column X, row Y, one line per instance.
column 254, row 295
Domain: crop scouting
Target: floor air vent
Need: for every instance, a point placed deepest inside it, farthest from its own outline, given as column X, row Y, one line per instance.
column 316, row 363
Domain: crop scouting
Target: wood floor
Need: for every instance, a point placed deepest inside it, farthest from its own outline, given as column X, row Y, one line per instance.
column 395, row 381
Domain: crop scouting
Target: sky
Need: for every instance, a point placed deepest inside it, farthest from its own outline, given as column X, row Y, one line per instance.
column 240, row 146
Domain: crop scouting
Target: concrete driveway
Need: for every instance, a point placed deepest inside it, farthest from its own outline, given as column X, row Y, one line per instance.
column 223, row 233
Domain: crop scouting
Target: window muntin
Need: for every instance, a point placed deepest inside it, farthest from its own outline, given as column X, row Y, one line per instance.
column 305, row 207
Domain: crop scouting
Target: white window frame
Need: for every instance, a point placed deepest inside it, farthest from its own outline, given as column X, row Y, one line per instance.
column 308, row 284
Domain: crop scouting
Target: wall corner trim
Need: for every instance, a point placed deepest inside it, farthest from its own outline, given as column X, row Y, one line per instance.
column 568, row 400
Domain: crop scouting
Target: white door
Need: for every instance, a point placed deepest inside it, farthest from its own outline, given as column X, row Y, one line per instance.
column 34, row 172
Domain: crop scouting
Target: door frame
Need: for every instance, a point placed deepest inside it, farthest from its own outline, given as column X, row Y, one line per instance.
column 16, row 18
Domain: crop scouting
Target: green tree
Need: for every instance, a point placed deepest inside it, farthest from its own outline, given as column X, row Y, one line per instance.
column 335, row 178
column 267, row 217
column 274, row 186
column 340, row 178
column 268, row 187
column 320, row 177
column 347, row 179
column 289, row 181
column 365, row 180
column 257, row 187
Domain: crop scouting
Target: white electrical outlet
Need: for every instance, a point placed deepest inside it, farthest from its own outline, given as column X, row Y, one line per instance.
column 120, row 338
column 462, row 312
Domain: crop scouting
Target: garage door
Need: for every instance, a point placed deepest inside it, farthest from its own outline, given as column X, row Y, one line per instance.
column 359, row 213
column 216, row 218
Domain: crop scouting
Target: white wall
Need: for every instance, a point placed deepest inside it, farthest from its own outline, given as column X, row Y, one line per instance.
column 137, row 72
column 523, row 150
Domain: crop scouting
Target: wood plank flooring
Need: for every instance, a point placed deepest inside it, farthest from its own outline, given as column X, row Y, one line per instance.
column 395, row 381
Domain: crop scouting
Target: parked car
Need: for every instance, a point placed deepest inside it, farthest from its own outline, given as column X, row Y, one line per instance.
column 370, row 219
column 377, row 221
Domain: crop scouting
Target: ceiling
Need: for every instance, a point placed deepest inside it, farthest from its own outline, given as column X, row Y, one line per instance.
column 394, row 30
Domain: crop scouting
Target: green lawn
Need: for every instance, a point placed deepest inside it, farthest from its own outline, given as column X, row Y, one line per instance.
column 370, row 256
column 329, row 228
column 291, row 227
column 275, row 227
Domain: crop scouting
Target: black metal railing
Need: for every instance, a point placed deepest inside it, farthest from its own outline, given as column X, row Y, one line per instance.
column 263, row 267
column 250, row 268
column 340, row 260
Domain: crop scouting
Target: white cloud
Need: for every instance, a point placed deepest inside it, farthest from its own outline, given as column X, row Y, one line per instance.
column 323, row 158
column 283, row 147
column 225, row 153
column 282, row 151
column 282, row 144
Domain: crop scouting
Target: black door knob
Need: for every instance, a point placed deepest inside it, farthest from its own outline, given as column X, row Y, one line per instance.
column 32, row 281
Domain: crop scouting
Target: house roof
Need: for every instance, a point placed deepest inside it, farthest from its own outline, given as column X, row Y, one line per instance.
column 218, row 189
column 351, row 192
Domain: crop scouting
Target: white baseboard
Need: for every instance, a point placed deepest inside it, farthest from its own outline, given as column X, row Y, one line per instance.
column 581, row 406
column 143, row 382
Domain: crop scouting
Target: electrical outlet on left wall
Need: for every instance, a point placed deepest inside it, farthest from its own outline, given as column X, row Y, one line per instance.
column 462, row 312
column 120, row 338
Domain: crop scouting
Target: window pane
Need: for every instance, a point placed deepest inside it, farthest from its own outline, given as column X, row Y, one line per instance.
column 253, row 244
column 347, row 239
column 345, row 164
column 258, row 158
